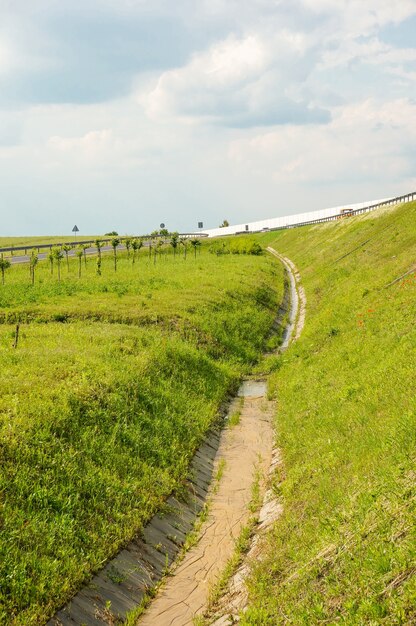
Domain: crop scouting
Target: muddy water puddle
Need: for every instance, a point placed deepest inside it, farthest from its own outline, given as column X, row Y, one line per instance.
column 253, row 389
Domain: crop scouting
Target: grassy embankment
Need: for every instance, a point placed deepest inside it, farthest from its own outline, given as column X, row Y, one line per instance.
column 344, row 550
column 103, row 402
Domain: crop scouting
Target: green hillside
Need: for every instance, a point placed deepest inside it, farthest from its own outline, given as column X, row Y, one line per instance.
column 343, row 551
column 114, row 381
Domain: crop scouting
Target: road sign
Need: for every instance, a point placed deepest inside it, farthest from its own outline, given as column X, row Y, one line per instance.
column 162, row 225
column 200, row 224
column 75, row 229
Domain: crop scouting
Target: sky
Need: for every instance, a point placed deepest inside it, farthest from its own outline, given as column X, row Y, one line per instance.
column 124, row 114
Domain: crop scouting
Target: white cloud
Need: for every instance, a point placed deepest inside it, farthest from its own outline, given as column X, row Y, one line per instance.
column 91, row 145
column 366, row 141
column 238, row 82
column 225, row 67
column 6, row 58
column 362, row 18
column 371, row 51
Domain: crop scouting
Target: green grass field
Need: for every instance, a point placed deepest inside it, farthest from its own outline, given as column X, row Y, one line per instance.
column 344, row 550
column 113, row 383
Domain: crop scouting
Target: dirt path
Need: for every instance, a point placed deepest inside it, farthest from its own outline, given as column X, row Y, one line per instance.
column 245, row 449
column 235, row 599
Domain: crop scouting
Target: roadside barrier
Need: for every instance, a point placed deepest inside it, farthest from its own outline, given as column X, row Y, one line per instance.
column 344, row 213
column 58, row 244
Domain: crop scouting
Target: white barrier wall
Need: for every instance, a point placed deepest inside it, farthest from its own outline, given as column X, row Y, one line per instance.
column 287, row 220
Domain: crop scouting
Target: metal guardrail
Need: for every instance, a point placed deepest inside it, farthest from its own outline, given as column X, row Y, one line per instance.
column 46, row 246
column 57, row 244
column 408, row 197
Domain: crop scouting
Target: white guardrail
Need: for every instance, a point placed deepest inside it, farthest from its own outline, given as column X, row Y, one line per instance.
column 312, row 217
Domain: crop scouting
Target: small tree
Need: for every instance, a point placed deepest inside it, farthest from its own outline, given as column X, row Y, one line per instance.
column 115, row 242
column 79, row 252
column 224, row 224
column 58, row 255
column 174, row 241
column 4, row 265
column 184, row 243
column 85, row 247
column 99, row 265
column 155, row 248
column 99, row 244
column 195, row 243
column 158, row 247
column 128, row 243
column 136, row 244
column 33, row 261
column 66, row 248
column 51, row 259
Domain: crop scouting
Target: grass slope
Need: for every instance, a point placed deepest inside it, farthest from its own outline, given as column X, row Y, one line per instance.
column 344, row 550
column 113, row 383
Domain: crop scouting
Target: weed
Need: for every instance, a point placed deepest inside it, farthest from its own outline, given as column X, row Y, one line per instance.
column 234, row 418
column 114, row 575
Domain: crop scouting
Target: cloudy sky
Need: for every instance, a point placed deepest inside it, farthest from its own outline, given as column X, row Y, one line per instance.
column 127, row 113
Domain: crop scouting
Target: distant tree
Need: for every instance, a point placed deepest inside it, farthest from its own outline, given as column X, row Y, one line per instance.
column 224, row 224
column 80, row 253
column 164, row 232
column 33, row 261
column 115, row 242
column 195, row 243
column 66, row 248
column 58, row 255
column 4, row 265
column 174, row 242
column 128, row 243
column 112, row 234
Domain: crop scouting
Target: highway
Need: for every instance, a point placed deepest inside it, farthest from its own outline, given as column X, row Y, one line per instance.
column 24, row 258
